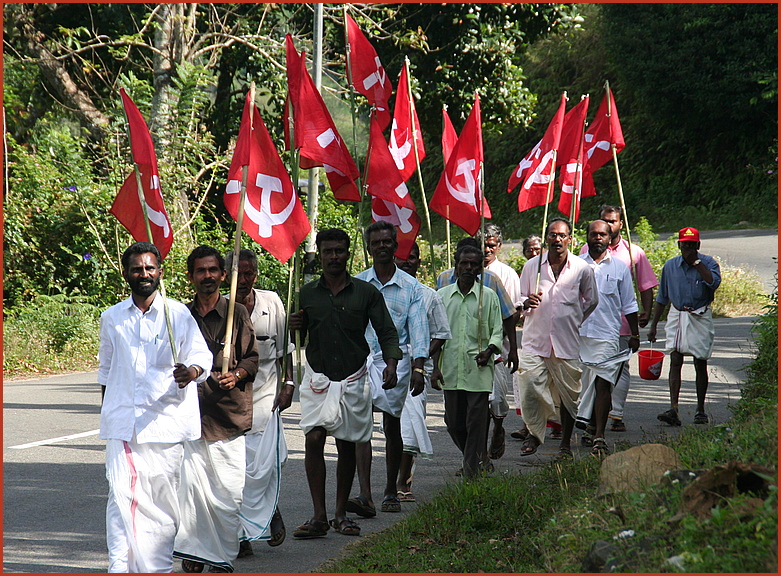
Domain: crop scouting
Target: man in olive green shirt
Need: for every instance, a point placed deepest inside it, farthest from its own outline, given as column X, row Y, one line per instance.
column 335, row 396
column 467, row 359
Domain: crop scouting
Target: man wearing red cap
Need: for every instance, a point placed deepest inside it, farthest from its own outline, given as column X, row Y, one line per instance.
column 689, row 282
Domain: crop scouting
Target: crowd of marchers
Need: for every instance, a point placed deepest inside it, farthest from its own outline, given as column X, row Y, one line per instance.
column 192, row 393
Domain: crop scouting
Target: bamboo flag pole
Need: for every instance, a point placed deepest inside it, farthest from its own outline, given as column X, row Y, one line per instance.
column 447, row 208
column 548, row 199
column 226, row 351
column 353, row 112
column 578, row 185
column 482, row 251
column 632, row 263
column 166, row 311
column 415, row 136
column 142, row 200
column 292, row 267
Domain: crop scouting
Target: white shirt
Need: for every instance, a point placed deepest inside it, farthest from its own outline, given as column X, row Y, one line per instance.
column 616, row 298
column 438, row 324
column 510, row 279
column 136, row 367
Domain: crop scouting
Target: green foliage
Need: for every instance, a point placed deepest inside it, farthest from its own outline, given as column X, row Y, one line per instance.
column 51, row 333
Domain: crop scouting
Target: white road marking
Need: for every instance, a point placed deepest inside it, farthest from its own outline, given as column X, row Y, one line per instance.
column 53, row 440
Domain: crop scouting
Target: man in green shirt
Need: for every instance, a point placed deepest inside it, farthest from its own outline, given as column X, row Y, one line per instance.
column 467, row 359
column 335, row 396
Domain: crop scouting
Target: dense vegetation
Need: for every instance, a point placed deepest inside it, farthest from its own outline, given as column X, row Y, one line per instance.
column 695, row 84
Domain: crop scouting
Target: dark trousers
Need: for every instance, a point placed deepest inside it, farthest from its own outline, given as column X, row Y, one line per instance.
column 465, row 416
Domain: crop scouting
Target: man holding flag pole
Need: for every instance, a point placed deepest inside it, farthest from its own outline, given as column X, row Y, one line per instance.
column 149, row 352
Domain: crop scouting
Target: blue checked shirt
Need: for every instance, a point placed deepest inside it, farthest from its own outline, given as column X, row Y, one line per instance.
column 404, row 298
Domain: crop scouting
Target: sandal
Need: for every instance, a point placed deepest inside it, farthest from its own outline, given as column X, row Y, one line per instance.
column 521, row 434
column 700, row 418
column 529, row 446
column 669, row 417
column 346, row 526
column 495, row 452
column 556, row 434
column 192, row 566
column 360, row 505
column 600, row 449
column 245, row 549
column 278, row 531
column 390, row 504
column 405, row 496
column 312, row 529
column 618, row 426
column 565, row 454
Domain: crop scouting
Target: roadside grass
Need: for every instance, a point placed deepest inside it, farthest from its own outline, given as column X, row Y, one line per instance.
column 547, row 520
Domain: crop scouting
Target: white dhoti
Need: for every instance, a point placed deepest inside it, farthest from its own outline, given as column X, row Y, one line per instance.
column 142, row 513
column 497, row 399
column 343, row 407
column 210, row 499
column 544, row 384
column 691, row 332
column 390, row 401
column 414, row 433
column 598, row 358
column 266, row 453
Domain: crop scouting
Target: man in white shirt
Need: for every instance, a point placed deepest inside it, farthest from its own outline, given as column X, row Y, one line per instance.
column 600, row 349
column 507, row 363
column 148, row 412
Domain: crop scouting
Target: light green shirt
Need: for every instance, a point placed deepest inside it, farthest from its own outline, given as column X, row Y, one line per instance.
column 457, row 362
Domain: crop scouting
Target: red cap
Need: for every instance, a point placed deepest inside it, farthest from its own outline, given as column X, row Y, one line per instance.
column 688, row 235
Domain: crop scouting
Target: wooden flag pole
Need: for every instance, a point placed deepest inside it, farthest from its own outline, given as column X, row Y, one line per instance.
column 415, row 136
column 142, row 200
column 353, row 112
column 577, row 186
column 226, row 351
column 447, row 208
column 545, row 217
column 632, row 263
column 293, row 277
column 482, row 251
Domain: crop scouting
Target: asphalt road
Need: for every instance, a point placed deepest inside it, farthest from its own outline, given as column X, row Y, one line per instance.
column 55, row 487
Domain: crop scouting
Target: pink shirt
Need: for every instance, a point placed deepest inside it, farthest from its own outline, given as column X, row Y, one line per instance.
column 553, row 327
column 645, row 273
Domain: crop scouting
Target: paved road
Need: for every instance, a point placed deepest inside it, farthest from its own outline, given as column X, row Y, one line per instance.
column 55, row 493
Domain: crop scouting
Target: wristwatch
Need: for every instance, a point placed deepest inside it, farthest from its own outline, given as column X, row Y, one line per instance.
column 697, row 261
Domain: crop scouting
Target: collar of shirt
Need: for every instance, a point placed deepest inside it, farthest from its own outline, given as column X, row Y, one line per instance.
column 221, row 308
column 371, row 274
column 607, row 258
column 473, row 290
column 154, row 308
column 321, row 282
column 567, row 264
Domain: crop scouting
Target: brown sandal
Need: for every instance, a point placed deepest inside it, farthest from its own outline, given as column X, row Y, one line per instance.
column 529, row 446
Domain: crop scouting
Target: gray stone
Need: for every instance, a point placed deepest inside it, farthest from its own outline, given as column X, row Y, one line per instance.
column 636, row 468
column 602, row 557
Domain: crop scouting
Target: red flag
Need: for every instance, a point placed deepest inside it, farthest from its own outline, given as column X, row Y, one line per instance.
column 366, row 72
column 406, row 221
column 449, row 137
column 127, row 205
column 273, row 215
column 604, row 131
column 536, row 169
column 458, row 192
column 315, row 133
column 405, row 130
column 571, row 153
column 383, row 179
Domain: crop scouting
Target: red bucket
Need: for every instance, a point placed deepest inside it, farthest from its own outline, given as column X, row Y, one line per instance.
column 650, row 364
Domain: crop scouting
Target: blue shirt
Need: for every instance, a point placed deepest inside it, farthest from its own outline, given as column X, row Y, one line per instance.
column 490, row 280
column 682, row 285
column 404, row 298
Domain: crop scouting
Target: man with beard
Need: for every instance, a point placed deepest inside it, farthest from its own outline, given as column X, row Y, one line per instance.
column 559, row 292
column 466, row 360
column 213, row 467
column 265, row 442
column 404, row 299
column 148, row 412
column 335, row 397
column 642, row 272
column 600, row 353
column 414, row 434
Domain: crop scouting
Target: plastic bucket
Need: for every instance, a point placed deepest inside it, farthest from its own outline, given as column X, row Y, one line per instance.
column 650, row 362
